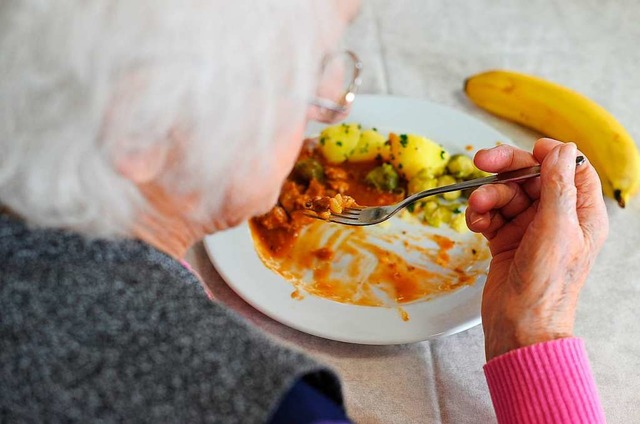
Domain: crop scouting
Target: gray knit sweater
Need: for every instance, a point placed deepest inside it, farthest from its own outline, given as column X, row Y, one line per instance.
column 116, row 331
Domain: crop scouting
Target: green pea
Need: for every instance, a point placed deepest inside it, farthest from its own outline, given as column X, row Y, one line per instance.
column 383, row 178
column 309, row 169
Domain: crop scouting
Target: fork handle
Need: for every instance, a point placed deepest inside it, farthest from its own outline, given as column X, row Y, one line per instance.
column 503, row 177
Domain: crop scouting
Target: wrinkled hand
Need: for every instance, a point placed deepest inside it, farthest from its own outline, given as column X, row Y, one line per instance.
column 544, row 235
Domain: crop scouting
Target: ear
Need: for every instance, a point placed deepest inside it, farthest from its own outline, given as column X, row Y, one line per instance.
column 143, row 165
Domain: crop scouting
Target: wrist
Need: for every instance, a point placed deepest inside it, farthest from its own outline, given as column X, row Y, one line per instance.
column 505, row 335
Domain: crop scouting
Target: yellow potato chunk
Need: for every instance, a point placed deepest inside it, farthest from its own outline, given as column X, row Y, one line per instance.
column 442, row 215
column 459, row 224
column 411, row 154
column 372, row 145
column 421, row 182
column 337, row 142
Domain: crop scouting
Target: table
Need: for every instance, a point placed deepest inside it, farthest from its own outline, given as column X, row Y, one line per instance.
column 425, row 49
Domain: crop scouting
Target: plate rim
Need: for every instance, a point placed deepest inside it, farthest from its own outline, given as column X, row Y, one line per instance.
column 463, row 326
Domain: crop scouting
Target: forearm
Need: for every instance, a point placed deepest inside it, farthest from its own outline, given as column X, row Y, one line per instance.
column 547, row 382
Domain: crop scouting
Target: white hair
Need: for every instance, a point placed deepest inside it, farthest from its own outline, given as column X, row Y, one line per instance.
column 84, row 82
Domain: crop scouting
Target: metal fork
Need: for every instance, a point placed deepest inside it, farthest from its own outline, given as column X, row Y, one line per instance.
column 361, row 216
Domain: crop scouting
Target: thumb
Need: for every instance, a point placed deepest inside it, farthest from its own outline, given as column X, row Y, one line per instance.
column 558, row 193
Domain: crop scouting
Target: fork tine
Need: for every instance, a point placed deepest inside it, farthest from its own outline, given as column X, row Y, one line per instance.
column 342, row 219
column 339, row 215
column 351, row 211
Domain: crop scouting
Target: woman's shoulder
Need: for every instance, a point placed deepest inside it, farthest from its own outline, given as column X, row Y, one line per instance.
column 97, row 320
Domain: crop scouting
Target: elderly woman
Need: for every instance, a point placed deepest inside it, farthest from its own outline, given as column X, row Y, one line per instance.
column 131, row 129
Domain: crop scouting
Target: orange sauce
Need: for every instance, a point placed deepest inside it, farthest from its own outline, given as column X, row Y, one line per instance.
column 280, row 239
column 364, row 270
column 364, row 194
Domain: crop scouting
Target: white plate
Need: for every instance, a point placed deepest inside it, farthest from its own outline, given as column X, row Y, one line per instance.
column 232, row 252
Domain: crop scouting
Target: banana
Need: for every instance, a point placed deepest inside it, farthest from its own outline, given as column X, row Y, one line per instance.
column 565, row 115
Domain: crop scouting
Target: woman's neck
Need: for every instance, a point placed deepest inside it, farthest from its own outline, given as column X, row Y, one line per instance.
column 166, row 227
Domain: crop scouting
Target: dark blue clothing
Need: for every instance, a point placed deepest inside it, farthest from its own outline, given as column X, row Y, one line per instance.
column 304, row 404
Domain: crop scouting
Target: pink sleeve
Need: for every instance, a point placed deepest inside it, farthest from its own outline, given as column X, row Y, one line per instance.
column 547, row 382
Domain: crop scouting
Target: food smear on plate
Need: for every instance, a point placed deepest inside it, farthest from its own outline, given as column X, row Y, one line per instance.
column 427, row 252
column 376, row 266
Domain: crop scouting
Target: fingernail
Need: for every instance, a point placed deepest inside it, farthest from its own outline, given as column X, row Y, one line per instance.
column 569, row 152
column 488, row 149
column 476, row 220
column 571, row 147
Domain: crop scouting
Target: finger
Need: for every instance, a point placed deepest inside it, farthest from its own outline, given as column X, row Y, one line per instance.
column 588, row 183
column 487, row 223
column 543, row 147
column 558, row 193
column 540, row 150
column 590, row 207
column 585, row 173
column 591, row 210
column 509, row 198
column 586, row 177
column 532, row 188
column 477, row 222
column 503, row 158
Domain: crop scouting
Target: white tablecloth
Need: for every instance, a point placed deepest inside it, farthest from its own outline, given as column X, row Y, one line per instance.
column 425, row 49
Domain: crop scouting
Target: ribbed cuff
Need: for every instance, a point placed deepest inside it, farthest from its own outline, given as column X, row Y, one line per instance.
column 547, row 382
